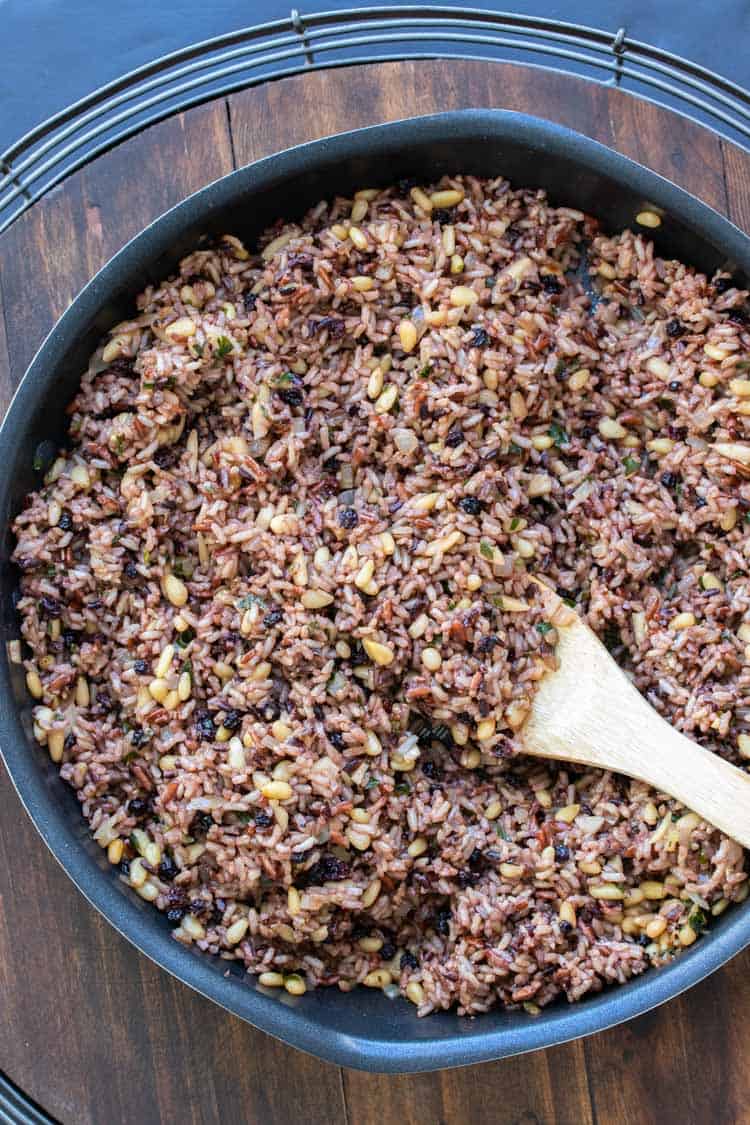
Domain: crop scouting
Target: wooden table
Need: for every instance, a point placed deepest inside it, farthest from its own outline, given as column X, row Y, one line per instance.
column 92, row 1030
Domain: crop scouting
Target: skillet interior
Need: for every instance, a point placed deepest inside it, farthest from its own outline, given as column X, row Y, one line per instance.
column 363, row 1028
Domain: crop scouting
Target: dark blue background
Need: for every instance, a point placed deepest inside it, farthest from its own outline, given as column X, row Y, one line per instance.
column 55, row 51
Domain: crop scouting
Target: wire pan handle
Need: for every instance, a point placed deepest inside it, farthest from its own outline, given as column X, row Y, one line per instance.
column 45, row 155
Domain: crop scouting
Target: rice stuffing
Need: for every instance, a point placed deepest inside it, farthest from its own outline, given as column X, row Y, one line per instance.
column 278, row 601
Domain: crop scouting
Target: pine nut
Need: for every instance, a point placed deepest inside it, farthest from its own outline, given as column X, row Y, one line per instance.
column 181, row 329
column 386, row 400
column 660, row 368
column 34, row 684
column 415, row 992
column 421, row 199
column 653, row 890
column 277, row 791
column 686, row 935
column 371, row 893
column 358, row 238
column 656, row 928
column 682, row 621
column 448, row 198
column 237, row 931
column 137, row 873
column 375, row 383
column 407, row 334
column 567, row 913
column 493, row 810
column 370, row 944
column 608, row 892
column 316, row 599
column 175, row 590
column 511, row 870
column 431, row 659
column 377, row 652
column 159, row 690
column 461, row 296
column 55, row 744
column 295, row 984
column 164, row 662
column 378, row 978
column 611, row 429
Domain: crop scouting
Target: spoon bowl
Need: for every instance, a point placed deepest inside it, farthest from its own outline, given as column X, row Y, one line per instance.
column 587, row 711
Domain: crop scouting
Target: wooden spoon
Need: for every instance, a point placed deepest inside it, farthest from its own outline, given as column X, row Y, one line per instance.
column 588, row 711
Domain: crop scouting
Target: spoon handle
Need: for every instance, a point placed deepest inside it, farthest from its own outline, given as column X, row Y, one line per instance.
column 589, row 712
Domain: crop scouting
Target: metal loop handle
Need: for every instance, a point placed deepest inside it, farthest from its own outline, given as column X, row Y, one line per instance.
column 48, row 153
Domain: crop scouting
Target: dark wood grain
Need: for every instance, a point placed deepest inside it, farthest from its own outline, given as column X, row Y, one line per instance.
column 89, row 1027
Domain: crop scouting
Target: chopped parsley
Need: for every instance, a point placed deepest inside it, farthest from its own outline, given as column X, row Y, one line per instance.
column 515, row 523
column 131, row 754
column 287, row 377
column 403, row 789
column 631, row 465
column 372, row 783
column 424, row 372
column 486, row 550
column 558, row 434
column 38, row 463
column 251, row 599
column 198, row 349
column 544, row 627
column 244, row 817
column 148, row 386
column 559, row 368
column 501, row 832
column 185, row 637
column 223, row 346
column 697, row 919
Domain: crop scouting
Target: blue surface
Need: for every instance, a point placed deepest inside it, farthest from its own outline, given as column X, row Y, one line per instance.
column 56, row 51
